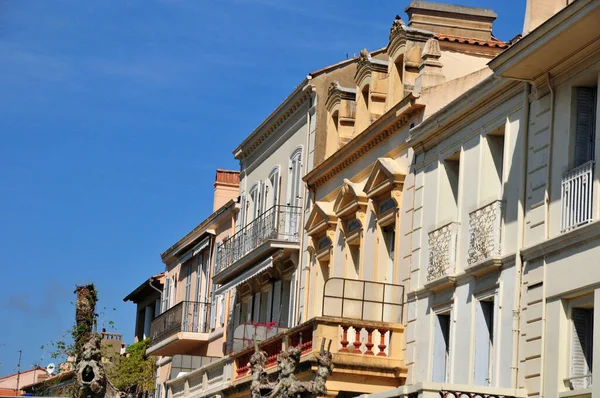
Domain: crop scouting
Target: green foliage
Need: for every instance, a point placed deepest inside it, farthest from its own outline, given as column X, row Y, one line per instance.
column 134, row 373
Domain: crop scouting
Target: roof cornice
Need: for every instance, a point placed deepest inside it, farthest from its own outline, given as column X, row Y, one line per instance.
column 371, row 137
column 558, row 23
column 286, row 109
column 197, row 232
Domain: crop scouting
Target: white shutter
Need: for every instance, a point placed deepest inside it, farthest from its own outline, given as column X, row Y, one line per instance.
column 483, row 337
column 256, row 311
column 221, row 306
column 292, row 301
column 581, row 352
column 277, row 301
column 213, row 311
column 441, row 344
column 285, row 304
column 585, row 125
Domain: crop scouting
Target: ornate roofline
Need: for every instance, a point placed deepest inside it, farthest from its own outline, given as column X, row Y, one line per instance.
column 388, row 124
column 286, row 109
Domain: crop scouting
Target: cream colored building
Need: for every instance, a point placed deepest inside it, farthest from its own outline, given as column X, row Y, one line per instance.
column 504, row 209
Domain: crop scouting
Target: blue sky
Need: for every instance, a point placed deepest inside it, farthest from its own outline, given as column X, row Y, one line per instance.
column 114, row 115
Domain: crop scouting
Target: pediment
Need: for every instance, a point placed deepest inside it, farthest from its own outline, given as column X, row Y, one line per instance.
column 320, row 218
column 386, row 174
column 350, row 198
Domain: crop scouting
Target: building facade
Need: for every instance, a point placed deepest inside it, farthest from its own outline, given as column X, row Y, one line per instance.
column 430, row 207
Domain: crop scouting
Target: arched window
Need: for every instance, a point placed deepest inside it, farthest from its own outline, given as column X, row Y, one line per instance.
column 295, row 176
column 273, row 187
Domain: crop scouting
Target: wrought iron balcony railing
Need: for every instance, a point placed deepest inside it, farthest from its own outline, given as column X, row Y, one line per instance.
column 442, row 251
column 277, row 223
column 186, row 316
column 485, row 232
column 576, row 197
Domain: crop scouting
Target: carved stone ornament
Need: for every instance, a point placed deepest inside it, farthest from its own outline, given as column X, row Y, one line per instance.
column 397, row 26
column 287, row 386
column 431, row 49
column 333, row 87
column 364, row 57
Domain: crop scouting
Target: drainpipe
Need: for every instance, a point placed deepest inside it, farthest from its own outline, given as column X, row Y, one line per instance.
column 308, row 89
column 521, row 239
column 549, row 161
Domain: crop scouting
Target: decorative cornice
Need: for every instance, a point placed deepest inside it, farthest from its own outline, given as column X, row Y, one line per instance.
column 297, row 99
column 378, row 132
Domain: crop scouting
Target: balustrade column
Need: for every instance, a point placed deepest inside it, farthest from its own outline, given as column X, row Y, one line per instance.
column 369, row 344
column 382, row 345
column 344, row 342
column 357, row 343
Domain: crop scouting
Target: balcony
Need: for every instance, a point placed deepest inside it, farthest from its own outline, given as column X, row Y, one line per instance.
column 442, row 252
column 276, row 228
column 485, row 237
column 362, row 319
column 579, row 386
column 179, row 329
column 371, row 349
column 576, row 197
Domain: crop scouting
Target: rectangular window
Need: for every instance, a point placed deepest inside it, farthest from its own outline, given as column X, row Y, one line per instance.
column 449, row 185
column 285, row 303
column 493, row 165
column 582, row 320
column 484, row 342
column 441, row 348
column 585, row 125
column 389, row 236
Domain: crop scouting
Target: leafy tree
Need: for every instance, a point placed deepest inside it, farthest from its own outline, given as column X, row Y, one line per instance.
column 134, row 373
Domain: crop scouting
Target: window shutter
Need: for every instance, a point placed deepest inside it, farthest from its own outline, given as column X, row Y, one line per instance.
column 581, row 351
column 441, row 348
column 236, row 315
column 277, row 301
column 213, row 310
column 256, row 312
column 221, row 304
column 585, row 125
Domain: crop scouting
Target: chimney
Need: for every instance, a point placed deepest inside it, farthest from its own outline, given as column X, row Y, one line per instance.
column 227, row 186
column 451, row 20
column 538, row 11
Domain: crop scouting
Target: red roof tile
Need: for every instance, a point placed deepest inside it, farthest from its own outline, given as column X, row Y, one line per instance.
column 470, row 40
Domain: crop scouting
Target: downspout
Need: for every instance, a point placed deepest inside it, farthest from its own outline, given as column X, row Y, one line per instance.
column 308, row 89
column 521, row 239
column 154, row 287
column 549, row 161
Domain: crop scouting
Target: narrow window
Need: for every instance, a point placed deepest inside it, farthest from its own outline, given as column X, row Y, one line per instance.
column 264, row 306
column 484, row 342
column 448, row 204
column 493, row 165
column 294, row 180
column 441, row 348
column 354, row 254
column 284, row 311
column 582, row 320
column 585, row 124
column 389, row 236
column 274, row 185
